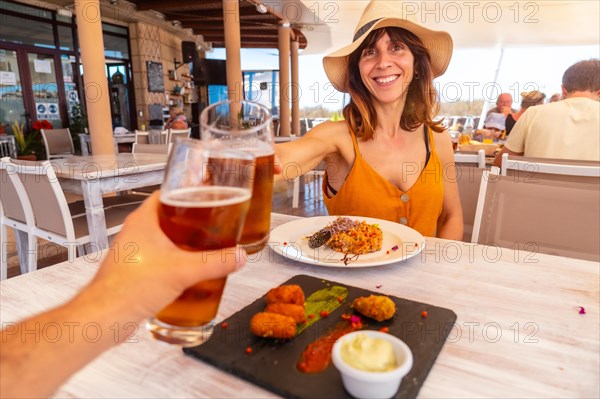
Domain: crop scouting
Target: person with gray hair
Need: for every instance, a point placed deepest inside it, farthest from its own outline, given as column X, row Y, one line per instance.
column 566, row 129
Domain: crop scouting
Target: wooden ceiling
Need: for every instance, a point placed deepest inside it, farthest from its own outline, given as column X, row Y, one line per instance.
column 205, row 17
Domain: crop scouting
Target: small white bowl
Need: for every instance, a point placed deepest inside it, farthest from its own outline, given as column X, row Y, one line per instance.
column 373, row 385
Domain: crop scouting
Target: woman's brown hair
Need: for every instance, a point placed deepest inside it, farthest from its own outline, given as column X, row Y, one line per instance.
column 421, row 100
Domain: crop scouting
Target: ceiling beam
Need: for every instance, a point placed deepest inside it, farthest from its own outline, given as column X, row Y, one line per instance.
column 219, row 27
column 217, row 37
column 164, row 5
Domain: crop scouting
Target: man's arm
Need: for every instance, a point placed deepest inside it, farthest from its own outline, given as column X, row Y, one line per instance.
column 515, row 145
column 108, row 311
column 505, row 150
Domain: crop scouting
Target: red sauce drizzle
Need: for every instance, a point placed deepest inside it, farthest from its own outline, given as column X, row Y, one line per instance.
column 317, row 355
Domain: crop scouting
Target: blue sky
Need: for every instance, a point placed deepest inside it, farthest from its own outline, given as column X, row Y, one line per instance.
column 470, row 71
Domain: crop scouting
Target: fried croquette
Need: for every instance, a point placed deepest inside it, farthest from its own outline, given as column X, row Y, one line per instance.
column 376, row 307
column 286, row 294
column 296, row 312
column 273, row 325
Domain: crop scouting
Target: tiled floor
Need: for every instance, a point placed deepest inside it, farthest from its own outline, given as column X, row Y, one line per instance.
column 311, row 204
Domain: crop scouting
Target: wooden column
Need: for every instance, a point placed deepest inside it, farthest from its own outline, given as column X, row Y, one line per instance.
column 97, row 96
column 295, row 89
column 231, row 16
column 284, row 79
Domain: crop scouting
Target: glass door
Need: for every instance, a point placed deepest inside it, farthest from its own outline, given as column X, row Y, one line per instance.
column 119, row 86
column 12, row 107
column 45, row 89
column 69, row 70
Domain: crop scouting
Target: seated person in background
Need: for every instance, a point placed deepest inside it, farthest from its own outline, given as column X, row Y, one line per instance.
column 566, row 129
column 528, row 99
column 503, row 105
column 493, row 129
column 177, row 120
column 555, row 97
column 389, row 158
column 123, row 291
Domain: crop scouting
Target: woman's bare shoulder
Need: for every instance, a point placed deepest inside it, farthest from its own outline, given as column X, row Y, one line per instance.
column 443, row 146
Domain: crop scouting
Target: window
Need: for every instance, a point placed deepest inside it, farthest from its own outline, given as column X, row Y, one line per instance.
column 35, row 33
column 116, row 47
column 23, row 9
column 65, row 38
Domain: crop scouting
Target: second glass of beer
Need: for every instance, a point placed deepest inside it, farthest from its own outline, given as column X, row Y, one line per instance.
column 204, row 199
column 247, row 126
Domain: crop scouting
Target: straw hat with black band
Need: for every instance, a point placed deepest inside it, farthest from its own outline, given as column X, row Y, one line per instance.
column 377, row 15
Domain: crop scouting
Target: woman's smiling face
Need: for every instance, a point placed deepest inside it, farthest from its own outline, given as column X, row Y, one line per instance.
column 387, row 69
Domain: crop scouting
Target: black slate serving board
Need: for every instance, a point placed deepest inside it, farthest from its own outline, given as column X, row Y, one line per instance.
column 272, row 363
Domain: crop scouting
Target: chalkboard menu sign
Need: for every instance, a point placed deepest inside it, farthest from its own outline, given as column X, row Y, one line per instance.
column 156, row 84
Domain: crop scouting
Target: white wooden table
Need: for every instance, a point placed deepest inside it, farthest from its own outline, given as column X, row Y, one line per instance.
column 95, row 175
column 518, row 332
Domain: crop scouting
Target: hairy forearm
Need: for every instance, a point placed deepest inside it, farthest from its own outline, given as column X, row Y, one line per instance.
column 69, row 336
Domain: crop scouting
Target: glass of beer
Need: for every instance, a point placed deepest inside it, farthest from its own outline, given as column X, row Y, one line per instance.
column 204, row 199
column 247, row 126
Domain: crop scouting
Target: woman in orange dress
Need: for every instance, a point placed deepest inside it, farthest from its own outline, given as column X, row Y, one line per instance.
column 389, row 159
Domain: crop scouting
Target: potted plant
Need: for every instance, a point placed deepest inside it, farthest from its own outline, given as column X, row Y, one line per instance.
column 26, row 143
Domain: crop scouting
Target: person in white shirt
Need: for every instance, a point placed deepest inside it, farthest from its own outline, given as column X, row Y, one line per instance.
column 567, row 129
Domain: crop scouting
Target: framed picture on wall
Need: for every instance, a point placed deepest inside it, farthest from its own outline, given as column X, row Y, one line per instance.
column 156, row 83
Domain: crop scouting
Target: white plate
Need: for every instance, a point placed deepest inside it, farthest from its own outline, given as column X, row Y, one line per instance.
column 290, row 240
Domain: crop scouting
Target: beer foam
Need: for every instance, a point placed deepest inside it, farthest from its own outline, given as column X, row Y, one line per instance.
column 258, row 148
column 205, row 197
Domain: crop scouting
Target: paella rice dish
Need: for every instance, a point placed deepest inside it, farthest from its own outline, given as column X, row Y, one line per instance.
column 347, row 236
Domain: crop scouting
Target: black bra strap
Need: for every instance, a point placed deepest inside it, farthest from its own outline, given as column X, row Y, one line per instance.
column 333, row 190
column 426, row 145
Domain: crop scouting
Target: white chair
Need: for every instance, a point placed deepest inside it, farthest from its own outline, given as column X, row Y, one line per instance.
column 523, row 166
column 17, row 215
column 177, row 134
column 478, row 158
column 85, row 143
column 554, row 213
column 36, row 184
column 8, row 146
column 151, row 148
column 58, row 143
column 469, row 169
column 141, row 137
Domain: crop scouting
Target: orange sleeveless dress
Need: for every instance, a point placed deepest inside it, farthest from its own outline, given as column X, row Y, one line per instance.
column 366, row 193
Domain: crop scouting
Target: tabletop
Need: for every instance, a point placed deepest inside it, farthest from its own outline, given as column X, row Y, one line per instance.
column 92, row 167
column 519, row 332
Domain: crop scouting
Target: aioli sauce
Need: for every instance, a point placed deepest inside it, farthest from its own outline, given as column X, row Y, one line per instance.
column 369, row 354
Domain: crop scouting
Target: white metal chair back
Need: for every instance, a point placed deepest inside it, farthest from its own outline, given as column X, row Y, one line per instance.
column 555, row 214
column 17, row 214
column 8, row 146
column 478, row 158
column 469, row 169
column 85, row 143
column 523, row 166
column 48, row 201
column 176, row 134
column 58, row 143
column 141, row 137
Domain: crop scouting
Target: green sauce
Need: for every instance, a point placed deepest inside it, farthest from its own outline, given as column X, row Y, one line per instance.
column 327, row 299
